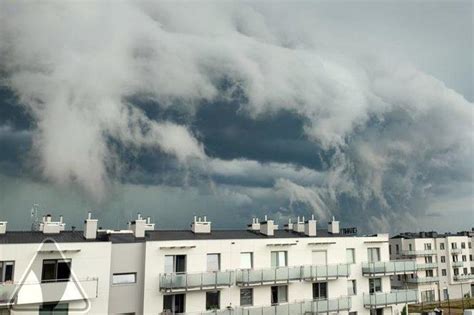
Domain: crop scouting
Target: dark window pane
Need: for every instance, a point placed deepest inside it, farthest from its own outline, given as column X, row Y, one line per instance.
column 246, row 297
column 274, row 295
column 49, row 270
column 212, row 300
column 64, row 270
column 168, row 303
column 179, row 301
column 8, row 271
column 180, row 263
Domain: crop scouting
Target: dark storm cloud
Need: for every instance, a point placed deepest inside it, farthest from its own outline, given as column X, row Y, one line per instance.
column 237, row 108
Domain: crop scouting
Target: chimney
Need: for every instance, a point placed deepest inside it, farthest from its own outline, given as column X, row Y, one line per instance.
column 289, row 226
column 299, row 225
column 267, row 227
column 333, row 226
column 3, row 227
column 47, row 226
column 90, row 227
column 139, row 226
column 310, row 227
column 255, row 225
column 201, row 225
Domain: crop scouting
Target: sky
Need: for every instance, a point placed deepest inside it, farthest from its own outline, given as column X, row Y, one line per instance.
column 361, row 110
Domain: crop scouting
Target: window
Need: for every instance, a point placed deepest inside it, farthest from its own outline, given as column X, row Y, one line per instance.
column 443, row 272
column 456, row 271
column 397, row 249
column 246, row 297
column 470, row 257
column 427, row 246
column 320, row 290
column 469, row 245
column 472, row 272
column 351, row 287
column 428, row 259
column 464, row 258
column 279, row 294
column 6, row 271
column 124, row 278
column 174, row 303
column 56, row 270
column 428, row 273
column 54, row 308
column 375, row 285
column 454, row 245
column 399, row 278
column 352, row 313
column 441, row 246
column 213, row 262
column 410, row 247
column 443, row 259
column 465, row 271
column 246, row 260
column 445, row 294
column 175, row 263
column 376, row 311
column 427, row 296
column 373, row 254
column 390, row 249
column 463, row 245
column 455, row 258
column 213, row 300
column 350, row 255
column 279, row 259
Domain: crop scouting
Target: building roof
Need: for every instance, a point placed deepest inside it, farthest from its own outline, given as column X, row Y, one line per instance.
column 19, row 237
column 431, row 234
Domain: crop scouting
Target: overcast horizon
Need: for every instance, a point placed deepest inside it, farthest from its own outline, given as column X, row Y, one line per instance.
column 361, row 110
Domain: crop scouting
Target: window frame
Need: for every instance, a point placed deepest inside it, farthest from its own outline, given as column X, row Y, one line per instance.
column 118, row 274
column 251, row 296
column 3, row 270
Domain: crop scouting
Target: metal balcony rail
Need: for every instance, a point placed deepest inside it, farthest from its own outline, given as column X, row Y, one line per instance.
column 195, row 281
column 463, row 277
column 245, row 277
column 296, row 308
column 388, row 298
column 425, row 252
column 393, row 267
column 422, row 279
column 426, row 266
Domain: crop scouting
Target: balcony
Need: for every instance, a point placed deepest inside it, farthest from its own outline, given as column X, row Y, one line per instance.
column 393, row 267
column 249, row 277
column 412, row 253
column 393, row 297
column 461, row 278
column 420, row 280
column 456, row 250
column 426, row 266
column 174, row 282
column 457, row 263
column 295, row 308
column 45, row 292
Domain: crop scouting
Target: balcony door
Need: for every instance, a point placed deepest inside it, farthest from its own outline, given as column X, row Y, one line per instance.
column 174, row 303
column 175, row 263
column 320, row 257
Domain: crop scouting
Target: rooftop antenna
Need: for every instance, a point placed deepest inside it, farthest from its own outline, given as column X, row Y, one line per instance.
column 34, row 216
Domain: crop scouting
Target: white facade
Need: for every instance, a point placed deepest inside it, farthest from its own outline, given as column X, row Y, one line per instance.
column 145, row 271
column 445, row 265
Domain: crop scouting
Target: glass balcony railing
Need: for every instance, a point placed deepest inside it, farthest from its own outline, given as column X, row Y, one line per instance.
column 295, row 308
column 422, row 279
column 246, row 277
column 195, row 281
column 393, row 297
column 457, row 263
column 463, row 277
column 425, row 252
column 426, row 266
column 389, row 267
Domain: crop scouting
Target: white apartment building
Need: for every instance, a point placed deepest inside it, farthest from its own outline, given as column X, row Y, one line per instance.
column 444, row 264
column 298, row 269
